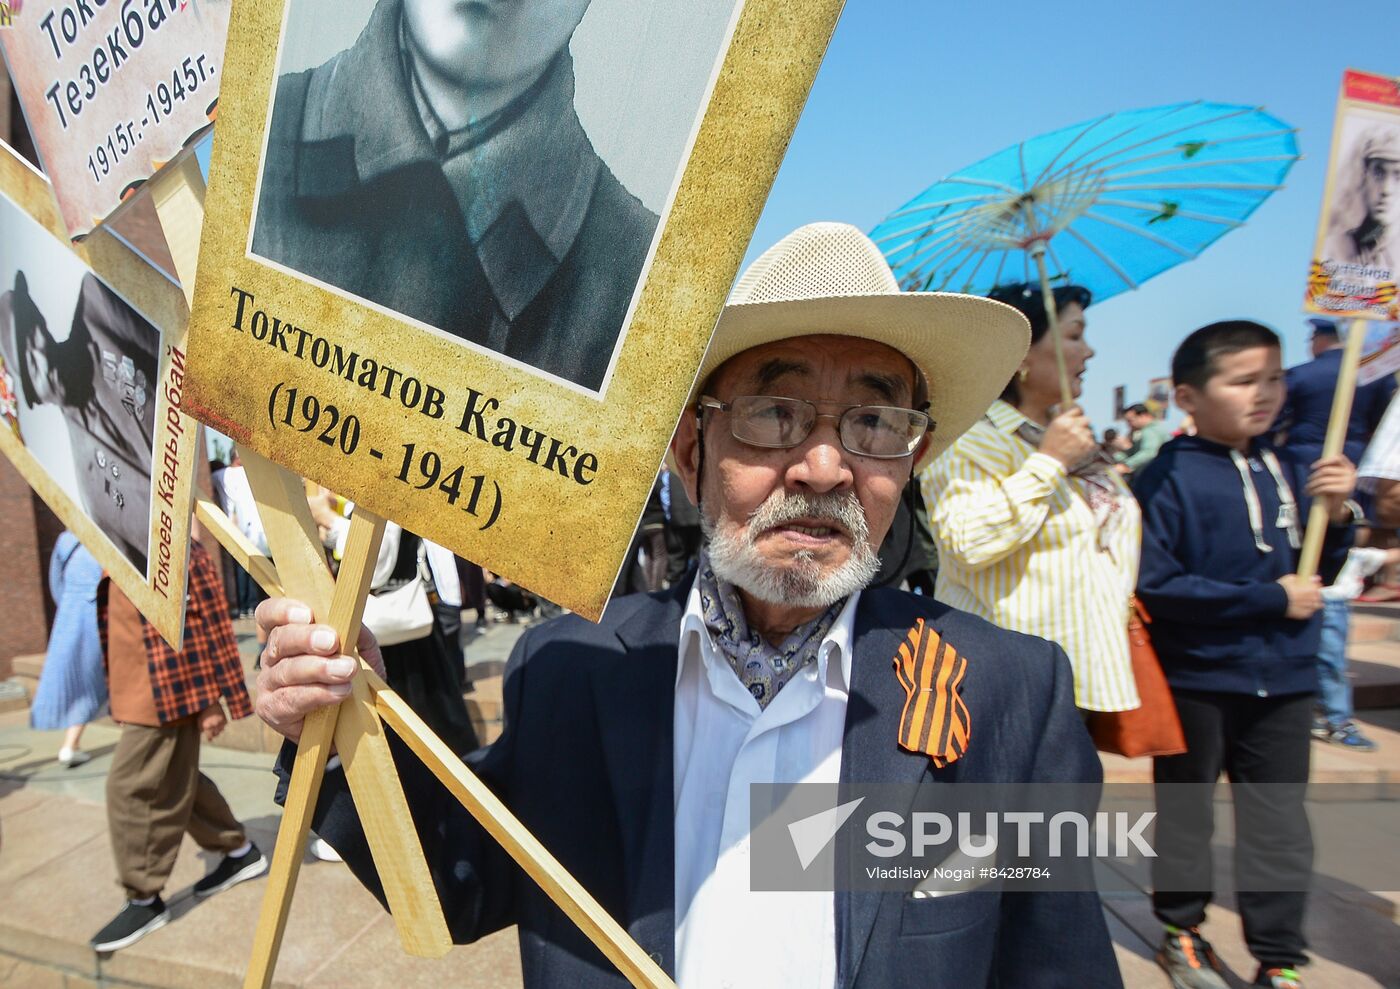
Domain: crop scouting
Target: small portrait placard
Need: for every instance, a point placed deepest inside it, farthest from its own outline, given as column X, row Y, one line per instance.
column 92, row 365
column 112, row 91
column 1356, row 256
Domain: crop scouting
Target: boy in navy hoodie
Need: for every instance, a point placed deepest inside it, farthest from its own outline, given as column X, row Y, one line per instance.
column 1237, row 632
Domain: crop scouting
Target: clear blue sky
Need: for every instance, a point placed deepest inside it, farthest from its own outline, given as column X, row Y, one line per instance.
column 912, row 90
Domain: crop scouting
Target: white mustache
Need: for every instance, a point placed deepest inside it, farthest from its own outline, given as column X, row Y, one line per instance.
column 842, row 511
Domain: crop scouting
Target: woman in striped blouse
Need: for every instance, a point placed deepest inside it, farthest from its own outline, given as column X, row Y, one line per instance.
column 1035, row 530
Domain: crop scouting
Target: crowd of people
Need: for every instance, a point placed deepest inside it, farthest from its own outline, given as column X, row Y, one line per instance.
column 753, row 626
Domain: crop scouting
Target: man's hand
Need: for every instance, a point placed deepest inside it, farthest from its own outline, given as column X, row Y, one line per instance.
column 1304, row 596
column 1068, row 438
column 212, row 721
column 1332, row 480
column 303, row 669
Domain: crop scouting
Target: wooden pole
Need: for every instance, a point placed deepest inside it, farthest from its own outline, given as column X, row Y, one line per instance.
column 1332, row 445
column 307, row 773
column 1052, row 313
column 178, row 194
column 355, row 728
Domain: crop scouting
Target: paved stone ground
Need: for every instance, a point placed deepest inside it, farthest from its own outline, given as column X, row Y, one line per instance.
column 59, row 885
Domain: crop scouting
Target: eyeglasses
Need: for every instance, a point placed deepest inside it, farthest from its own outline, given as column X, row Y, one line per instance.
column 878, row 431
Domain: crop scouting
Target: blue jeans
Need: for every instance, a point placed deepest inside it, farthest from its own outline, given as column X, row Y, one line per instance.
column 1334, row 690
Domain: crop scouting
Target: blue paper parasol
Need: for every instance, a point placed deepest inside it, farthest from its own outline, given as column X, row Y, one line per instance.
column 1105, row 204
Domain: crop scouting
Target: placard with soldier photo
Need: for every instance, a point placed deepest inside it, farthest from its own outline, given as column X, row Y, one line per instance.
column 90, row 392
column 1356, row 258
column 461, row 261
column 113, row 91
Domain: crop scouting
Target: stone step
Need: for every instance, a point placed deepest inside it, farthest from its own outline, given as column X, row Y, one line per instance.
column 1378, row 609
column 14, row 695
column 1374, row 668
column 28, row 666
column 1375, row 621
column 484, row 669
column 1371, row 628
column 485, row 707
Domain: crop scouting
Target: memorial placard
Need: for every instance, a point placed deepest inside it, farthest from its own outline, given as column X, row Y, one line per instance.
column 91, row 375
column 1380, row 353
column 1356, row 256
column 112, row 90
column 460, row 261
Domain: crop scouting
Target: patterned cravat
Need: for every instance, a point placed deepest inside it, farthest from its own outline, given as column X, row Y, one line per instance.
column 762, row 669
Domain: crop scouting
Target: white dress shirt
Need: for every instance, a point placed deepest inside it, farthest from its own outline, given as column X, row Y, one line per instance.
column 1381, row 461
column 728, row 936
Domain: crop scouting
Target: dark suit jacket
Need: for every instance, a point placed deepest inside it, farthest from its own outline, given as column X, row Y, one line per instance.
column 586, row 763
column 1309, row 405
column 354, row 194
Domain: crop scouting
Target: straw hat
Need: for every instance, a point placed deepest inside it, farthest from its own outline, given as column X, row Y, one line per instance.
column 829, row 278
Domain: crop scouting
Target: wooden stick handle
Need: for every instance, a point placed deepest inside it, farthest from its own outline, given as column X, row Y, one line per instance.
column 305, row 787
column 284, row 530
column 1052, row 313
column 355, row 728
column 370, row 769
column 1332, row 444
column 178, row 195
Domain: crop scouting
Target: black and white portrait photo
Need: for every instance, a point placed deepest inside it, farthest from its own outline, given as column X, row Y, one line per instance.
column 81, row 365
column 494, row 170
column 1363, row 223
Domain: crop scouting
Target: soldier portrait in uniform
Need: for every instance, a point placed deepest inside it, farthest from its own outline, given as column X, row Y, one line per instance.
column 84, row 383
column 1364, row 215
column 438, row 168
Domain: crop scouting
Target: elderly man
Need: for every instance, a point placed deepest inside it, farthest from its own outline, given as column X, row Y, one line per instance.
column 437, row 168
column 631, row 747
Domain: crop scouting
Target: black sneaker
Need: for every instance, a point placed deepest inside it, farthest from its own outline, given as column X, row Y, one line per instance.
column 1189, row 960
column 131, row 925
column 232, row 871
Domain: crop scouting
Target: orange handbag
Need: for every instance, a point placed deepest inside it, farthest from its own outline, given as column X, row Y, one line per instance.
column 1153, row 727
